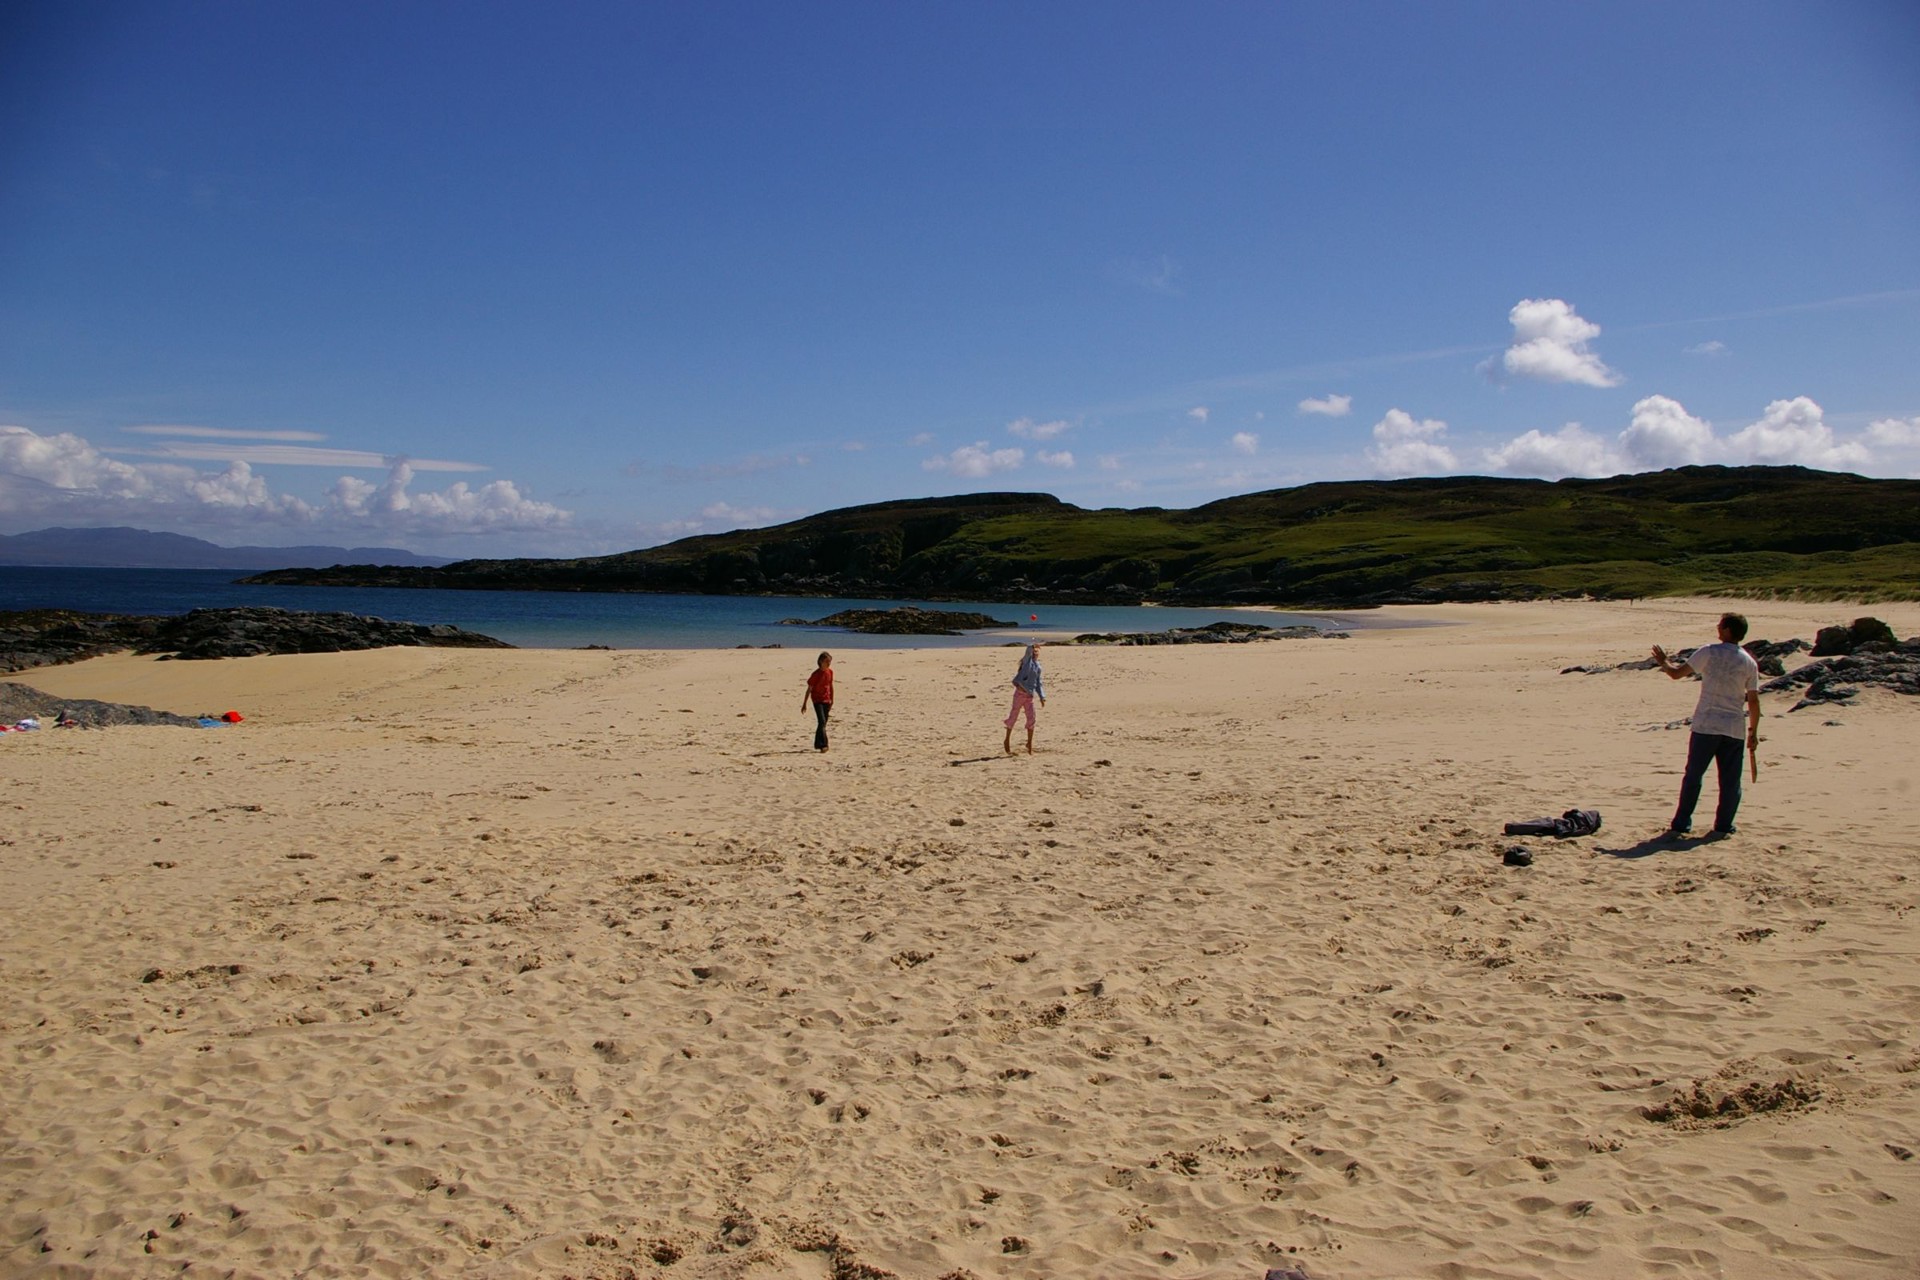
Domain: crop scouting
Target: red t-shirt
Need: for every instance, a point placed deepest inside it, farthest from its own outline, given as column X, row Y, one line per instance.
column 820, row 685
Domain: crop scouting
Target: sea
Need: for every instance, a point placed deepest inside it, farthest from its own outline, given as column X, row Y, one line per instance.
column 577, row 619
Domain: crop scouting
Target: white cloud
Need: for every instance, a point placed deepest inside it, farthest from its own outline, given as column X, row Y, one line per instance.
column 1895, row 433
column 920, row 439
column 1793, row 432
column 1109, row 462
column 1062, row 459
column 222, row 433
column 1711, row 347
column 272, row 454
column 1406, row 446
column 1028, row 429
column 976, row 460
column 1245, row 442
column 1663, row 434
column 738, row 517
column 494, row 507
column 293, row 455
column 1328, row 406
column 715, row 517
column 68, row 463
column 1550, row 344
column 64, row 477
column 661, row 531
column 237, row 488
column 1199, row 413
column 1570, row 451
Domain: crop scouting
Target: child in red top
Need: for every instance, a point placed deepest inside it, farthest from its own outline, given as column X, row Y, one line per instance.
column 820, row 694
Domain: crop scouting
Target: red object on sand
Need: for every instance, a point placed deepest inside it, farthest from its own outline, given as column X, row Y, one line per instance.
column 233, row 717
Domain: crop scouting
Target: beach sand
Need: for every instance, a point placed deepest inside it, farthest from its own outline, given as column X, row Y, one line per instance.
column 571, row 963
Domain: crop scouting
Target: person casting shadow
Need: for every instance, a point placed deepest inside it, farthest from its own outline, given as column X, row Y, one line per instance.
column 820, row 694
column 1026, row 688
column 1729, row 684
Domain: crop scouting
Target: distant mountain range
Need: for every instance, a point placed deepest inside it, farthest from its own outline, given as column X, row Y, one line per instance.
column 122, row 548
column 1706, row 530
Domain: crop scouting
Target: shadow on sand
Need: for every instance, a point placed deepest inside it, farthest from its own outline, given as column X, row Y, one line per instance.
column 1662, row 843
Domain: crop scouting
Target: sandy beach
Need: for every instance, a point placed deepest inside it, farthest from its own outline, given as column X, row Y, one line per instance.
column 583, row 963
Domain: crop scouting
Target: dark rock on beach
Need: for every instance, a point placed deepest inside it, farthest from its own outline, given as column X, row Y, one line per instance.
column 47, row 637
column 244, row 633
column 906, row 620
column 1848, row 639
column 1840, row 677
column 1212, row 633
column 1770, row 657
column 1778, row 650
column 17, row 702
column 1845, row 659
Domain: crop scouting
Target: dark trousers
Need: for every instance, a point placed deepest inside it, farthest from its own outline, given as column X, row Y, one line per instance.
column 820, row 712
column 1724, row 752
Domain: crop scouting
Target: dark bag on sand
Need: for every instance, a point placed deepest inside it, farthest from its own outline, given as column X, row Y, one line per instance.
column 1574, row 822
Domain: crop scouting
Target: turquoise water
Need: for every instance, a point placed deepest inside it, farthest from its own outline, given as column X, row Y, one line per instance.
column 571, row 619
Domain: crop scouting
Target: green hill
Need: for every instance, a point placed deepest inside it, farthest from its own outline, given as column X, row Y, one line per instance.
column 1744, row 530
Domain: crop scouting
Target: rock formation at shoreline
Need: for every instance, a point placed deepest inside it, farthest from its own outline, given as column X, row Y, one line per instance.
column 48, row 637
column 18, row 701
column 1212, row 633
column 904, row 620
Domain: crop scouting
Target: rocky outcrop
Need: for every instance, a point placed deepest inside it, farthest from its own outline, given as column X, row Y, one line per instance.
column 1212, row 633
column 18, row 702
column 1845, row 658
column 1772, row 658
column 906, row 620
column 1840, row 678
column 47, row 637
column 1862, row 631
column 245, row 633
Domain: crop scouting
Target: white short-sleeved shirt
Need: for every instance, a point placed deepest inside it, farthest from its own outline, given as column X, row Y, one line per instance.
column 1727, row 674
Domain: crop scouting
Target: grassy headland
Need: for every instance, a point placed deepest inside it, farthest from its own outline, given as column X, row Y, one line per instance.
column 1766, row 531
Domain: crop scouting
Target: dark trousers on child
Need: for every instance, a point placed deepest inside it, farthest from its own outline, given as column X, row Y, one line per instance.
column 820, row 712
column 1723, row 751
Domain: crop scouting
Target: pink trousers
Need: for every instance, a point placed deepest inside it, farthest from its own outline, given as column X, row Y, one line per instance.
column 1022, row 701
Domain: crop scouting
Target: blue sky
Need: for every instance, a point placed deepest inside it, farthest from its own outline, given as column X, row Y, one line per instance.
column 492, row 279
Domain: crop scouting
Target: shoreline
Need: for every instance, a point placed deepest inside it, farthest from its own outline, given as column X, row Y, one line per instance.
column 547, row 619
column 516, row 963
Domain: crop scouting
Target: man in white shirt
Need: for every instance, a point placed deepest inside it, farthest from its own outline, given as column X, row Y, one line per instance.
column 1729, row 686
